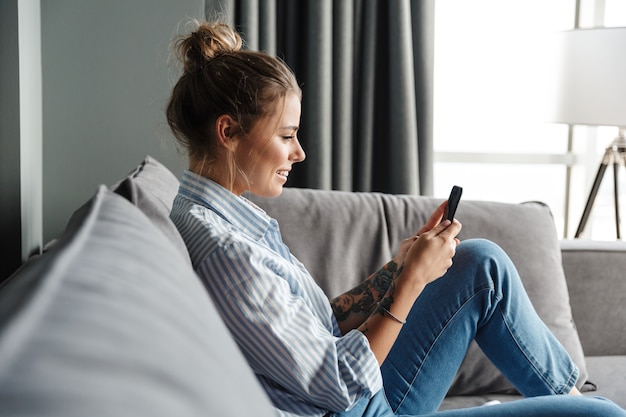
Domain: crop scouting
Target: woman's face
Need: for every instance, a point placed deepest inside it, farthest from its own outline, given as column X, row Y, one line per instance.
column 268, row 152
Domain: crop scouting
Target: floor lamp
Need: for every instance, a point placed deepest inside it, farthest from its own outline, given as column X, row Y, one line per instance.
column 591, row 90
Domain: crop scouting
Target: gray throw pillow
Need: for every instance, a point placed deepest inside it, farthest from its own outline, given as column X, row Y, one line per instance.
column 152, row 187
column 112, row 321
column 342, row 237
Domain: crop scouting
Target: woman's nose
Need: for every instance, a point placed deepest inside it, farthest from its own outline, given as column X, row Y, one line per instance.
column 298, row 154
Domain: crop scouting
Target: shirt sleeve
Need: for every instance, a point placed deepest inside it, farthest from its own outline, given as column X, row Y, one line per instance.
column 288, row 340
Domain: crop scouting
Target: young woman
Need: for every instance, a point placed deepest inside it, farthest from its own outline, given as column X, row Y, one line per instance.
column 392, row 345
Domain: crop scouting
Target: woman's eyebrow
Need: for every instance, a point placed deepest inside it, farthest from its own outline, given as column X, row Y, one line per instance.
column 290, row 128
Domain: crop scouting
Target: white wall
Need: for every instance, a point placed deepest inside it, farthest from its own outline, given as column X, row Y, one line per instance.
column 29, row 41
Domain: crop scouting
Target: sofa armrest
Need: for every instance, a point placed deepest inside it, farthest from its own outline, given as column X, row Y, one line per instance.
column 596, row 279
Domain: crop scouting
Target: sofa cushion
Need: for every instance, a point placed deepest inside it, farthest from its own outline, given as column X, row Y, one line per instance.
column 595, row 276
column 152, row 187
column 112, row 321
column 342, row 237
column 607, row 372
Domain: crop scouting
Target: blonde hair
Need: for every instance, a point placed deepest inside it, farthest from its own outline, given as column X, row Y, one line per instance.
column 219, row 77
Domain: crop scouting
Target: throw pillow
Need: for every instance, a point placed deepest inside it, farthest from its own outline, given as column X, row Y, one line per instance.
column 152, row 187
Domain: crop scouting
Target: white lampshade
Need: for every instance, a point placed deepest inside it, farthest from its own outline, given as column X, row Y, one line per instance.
column 590, row 78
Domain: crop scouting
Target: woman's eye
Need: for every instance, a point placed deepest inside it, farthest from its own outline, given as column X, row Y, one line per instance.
column 288, row 137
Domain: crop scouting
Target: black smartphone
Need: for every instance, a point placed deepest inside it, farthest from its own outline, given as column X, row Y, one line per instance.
column 453, row 202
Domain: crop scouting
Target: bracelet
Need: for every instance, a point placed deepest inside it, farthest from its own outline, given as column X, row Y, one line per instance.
column 390, row 314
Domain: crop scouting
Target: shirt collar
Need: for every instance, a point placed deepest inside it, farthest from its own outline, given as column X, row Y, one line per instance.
column 238, row 211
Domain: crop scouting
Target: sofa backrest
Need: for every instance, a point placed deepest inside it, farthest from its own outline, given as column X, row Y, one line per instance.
column 597, row 286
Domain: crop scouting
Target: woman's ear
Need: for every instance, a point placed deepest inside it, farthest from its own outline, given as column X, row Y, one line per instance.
column 227, row 128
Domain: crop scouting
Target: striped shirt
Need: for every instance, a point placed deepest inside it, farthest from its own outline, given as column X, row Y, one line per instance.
column 278, row 315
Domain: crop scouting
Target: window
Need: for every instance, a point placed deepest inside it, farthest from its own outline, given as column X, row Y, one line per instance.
column 491, row 61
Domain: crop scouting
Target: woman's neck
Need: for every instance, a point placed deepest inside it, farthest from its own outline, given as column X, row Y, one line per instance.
column 215, row 172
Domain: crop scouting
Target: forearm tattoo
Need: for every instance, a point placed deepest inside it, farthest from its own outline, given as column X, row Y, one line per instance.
column 357, row 300
column 363, row 299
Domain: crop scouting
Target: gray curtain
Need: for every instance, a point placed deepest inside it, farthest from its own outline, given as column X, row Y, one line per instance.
column 366, row 71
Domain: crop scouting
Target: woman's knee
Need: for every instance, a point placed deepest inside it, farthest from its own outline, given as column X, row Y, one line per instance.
column 485, row 259
column 479, row 247
column 479, row 251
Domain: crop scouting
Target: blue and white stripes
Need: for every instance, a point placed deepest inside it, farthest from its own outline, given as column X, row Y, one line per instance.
column 278, row 315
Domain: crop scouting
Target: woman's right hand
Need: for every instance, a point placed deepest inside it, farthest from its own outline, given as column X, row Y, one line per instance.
column 430, row 255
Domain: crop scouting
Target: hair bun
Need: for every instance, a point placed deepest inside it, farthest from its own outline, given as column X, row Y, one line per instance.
column 207, row 41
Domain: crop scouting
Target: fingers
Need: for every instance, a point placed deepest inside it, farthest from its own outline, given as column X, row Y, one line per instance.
column 429, row 253
column 446, row 229
column 430, row 256
column 435, row 218
column 449, row 229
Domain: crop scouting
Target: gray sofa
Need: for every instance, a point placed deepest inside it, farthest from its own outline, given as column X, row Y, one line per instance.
column 112, row 321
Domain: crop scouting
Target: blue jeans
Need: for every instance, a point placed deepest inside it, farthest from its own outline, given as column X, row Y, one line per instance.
column 481, row 297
